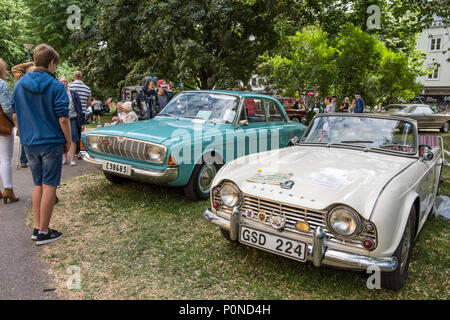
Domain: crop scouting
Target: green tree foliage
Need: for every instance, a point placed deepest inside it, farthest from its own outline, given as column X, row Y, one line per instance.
column 205, row 43
column 397, row 76
column 12, row 31
column 353, row 61
column 306, row 61
column 359, row 56
column 48, row 22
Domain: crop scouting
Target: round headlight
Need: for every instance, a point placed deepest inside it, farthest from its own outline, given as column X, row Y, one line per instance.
column 230, row 194
column 344, row 221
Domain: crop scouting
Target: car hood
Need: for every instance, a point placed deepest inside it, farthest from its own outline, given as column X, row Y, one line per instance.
column 322, row 176
column 157, row 130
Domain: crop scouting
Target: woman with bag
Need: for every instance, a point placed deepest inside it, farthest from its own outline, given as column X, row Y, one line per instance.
column 6, row 137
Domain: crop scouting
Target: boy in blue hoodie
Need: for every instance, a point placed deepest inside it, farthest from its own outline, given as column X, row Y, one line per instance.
column 41, row 110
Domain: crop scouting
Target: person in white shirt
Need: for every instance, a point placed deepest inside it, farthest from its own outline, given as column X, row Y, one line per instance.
column 328, row 105
column 120, row 113
column 130, row 115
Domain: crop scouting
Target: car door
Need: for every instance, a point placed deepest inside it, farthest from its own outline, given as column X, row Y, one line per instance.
column 418, row 113
column 253, row 136
column 430, row 119
column 276, row 123
column 429, row 181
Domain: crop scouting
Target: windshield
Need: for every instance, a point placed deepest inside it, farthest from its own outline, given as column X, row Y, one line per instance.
column 204, row 106
column 388, row 134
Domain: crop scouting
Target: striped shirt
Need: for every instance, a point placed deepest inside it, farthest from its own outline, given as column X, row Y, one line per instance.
column 83, row 91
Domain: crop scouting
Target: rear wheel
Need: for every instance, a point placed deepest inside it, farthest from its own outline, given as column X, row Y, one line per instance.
column 445, row 128
column 296, row 119
column 396, row 279
column 115, row 179
column 199, row 184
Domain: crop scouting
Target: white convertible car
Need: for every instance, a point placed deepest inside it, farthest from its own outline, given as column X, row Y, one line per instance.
column 353, row 192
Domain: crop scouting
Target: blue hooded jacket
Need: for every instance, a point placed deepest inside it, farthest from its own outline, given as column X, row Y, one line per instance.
column 39, row 100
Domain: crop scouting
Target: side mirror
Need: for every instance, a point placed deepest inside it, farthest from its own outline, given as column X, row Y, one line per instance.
column 427, row 154
column 243, row 123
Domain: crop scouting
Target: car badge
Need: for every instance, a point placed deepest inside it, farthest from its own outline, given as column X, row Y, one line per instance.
column 250, row 214
column 287, row 184
column 277, row 220
column 262, row 216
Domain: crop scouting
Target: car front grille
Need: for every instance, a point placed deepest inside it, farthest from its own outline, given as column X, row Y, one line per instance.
column 119, row 146
column 314, row 218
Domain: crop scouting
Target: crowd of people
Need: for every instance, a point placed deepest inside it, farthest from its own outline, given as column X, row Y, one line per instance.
column 330, row 104
column 49, row 115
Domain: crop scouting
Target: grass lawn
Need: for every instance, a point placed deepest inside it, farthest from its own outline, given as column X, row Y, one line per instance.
column 107, row 118
column 148, row 242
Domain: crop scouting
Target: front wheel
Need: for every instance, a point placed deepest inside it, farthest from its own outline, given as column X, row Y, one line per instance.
column 199, row 184
column 396, row 279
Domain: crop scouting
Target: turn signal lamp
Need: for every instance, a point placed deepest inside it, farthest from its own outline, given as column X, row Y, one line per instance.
column 172, row 162
column 302, row 226
column 82, row 148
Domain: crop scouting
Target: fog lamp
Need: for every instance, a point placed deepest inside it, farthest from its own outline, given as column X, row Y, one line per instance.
column 302, row 226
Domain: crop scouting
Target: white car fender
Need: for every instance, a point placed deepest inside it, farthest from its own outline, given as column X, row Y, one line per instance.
column 390, row 219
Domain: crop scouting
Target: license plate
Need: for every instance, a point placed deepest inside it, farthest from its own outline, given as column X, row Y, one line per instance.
column 120, row 168
column 272, row 243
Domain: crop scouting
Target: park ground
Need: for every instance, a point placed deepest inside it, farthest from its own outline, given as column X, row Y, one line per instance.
column 141, row 241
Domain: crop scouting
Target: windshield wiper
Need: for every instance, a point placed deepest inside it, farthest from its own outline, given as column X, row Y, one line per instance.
column 199, row 118
column 356, row 141
column 194, row 117
column 168, row 114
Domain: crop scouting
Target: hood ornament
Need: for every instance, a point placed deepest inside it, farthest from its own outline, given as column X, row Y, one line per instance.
column 287, row 184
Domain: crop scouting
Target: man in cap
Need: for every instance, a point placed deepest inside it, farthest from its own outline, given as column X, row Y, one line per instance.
column 163, row 96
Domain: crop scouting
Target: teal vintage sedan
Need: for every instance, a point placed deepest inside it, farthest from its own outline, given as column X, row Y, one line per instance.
column 192, row 137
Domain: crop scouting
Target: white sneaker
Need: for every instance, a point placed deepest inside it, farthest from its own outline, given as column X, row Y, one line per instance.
column 73, row 163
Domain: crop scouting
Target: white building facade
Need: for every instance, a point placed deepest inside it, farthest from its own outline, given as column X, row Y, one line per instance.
column 435, row 43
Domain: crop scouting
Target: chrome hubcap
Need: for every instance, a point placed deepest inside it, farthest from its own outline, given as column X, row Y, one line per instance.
column 206, row 177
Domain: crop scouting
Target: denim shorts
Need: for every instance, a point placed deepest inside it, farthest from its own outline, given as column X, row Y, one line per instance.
column 46, row 166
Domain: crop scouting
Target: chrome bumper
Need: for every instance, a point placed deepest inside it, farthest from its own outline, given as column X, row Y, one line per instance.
column 317, row 252
column 139, row 174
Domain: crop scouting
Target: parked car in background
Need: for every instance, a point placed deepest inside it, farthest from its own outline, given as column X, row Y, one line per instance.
column 294, row 108
column 131, row 94
column 392, row 108
column 354, row 192
column 192, row 137
column 425, row 116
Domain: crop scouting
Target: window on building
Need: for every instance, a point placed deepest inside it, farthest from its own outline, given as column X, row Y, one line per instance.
column 435, row 43
column 434, row 75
